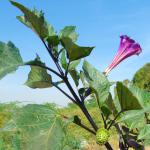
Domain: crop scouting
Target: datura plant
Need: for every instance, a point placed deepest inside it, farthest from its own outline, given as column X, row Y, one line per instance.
column 126, row 110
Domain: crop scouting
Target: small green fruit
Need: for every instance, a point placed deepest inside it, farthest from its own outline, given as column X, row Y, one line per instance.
column 102, row 136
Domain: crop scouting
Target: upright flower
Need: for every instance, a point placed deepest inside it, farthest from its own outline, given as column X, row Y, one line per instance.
column 127, row 48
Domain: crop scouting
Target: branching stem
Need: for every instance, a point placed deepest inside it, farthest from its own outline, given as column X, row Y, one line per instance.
column 76, row 99
column 113, row 121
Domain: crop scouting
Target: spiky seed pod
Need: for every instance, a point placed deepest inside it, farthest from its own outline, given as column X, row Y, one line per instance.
column 102, row 136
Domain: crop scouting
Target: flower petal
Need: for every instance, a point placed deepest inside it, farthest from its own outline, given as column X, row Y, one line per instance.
column 127, row 48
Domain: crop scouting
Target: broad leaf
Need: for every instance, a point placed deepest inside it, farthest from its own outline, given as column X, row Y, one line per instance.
column 74, row 64
column 75, row 75
column 116, row 101
column 35, row 62
column 83, row 80
column 74, row 51
column 147, row 142
column 69, row 31
column 106, row 111
column 10, row 58
column 142, row 96
column 72, row 71
column 97, row 81
column 53, row 41
column 127, row 100
column 42, row 128
column 136, row 123
column 144, row 132
column 34, row 20
column 111, row 105
column 131, row 115
column 36, row 127
column 38, row 76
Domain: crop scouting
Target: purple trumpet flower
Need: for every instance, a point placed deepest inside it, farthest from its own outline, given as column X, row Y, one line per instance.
column 127, row 48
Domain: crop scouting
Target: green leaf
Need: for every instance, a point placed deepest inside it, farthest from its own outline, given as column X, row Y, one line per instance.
column 74, row 64
column 38, row 76
column 111, row 105
column 142, row 95
column 69, row 31
column 97, row 81
column 82, row 77
column 147, row 142
column 116, row 101
column 53, row 41
column 136, row 123
column 144, row 132
column 42, row 127
column 37, row 127
column 106, row 111
column 75, row 75
column 85, row 92
column 34, row 20
column 10, row 58
column 131, row 115
column 63, row 60
column 127, row 100
column 36, row 62
column 74, row 51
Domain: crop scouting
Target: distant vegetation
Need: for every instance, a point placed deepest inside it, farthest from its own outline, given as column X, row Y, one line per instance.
column 18, row 122
column 141, row 78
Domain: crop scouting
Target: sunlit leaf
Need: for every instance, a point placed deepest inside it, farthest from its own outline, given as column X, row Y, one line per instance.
column 75, row 75
column 97, row 81
column 111, row 104
column 38, row 76
column 74, row 51
column 116, row 101
column 74, row 64
column 145, row 132
column 131, row 115
column 10, row 58
column 34, row 20
column 142, row 95
column 42, row 126
column 69, row 31
column 127, row 100
column 53, row 41
column 63, row 60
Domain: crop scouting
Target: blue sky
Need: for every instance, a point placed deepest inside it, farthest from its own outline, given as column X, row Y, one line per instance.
column 99, row 23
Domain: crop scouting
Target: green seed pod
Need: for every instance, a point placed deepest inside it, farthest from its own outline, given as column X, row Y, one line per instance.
column 102, row 136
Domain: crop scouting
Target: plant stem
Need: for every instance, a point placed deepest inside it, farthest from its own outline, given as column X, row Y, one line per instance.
column 113, row 121
column 71, row 89
column 54, row 59
column 86, row 128
column 108, row 146
column 88, row 116
column 81, row 125
column 77, row 100
column 121, row 136
column 104, row 121
column 64, row 93
column 81, row 104
column 66, row 72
